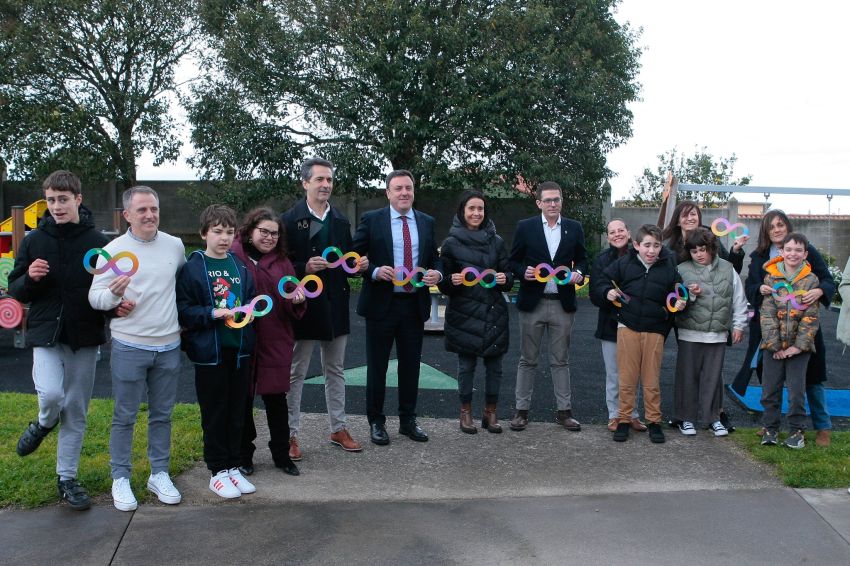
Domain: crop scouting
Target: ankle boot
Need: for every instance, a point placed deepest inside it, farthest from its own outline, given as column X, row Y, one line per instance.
column 466, row 424
column 489, row 420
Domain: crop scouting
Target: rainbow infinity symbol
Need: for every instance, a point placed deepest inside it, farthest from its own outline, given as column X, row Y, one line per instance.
column 553, row 273
column 679, row 292
column 403, row 276
column 789, row 297
column 341, row 259
column 715, row 227
column 250, row 311
column 478, row 277
column 300, row 284
column 623, row 297
column 111, row 262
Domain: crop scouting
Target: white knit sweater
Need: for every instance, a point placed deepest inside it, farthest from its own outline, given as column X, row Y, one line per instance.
column 153, row 322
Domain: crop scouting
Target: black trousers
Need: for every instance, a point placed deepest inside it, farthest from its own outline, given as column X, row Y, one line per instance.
column 403, row 326
column 222, row 390
column 277, row 416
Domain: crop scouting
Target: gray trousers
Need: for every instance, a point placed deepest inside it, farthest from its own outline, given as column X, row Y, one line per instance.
column 549, row 317
column 792, row 372
column 64, row 380
column 612, row 380
column 134, row 372
column 333, row 365
column 699, row 372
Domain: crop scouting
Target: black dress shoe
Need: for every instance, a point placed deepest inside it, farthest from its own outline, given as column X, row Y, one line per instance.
column 74, row 494
column 413, row 432
column 378, row 434
column 289, row 468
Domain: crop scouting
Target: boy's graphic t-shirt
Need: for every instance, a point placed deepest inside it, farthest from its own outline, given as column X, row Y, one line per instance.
column 226, row 285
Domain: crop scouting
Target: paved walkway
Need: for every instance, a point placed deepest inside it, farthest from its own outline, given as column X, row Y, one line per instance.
column 542, row 496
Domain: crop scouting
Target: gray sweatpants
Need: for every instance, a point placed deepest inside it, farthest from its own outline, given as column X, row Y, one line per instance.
column 699, row 373
column 64, row 380
column 791, row 372
column 134, row 372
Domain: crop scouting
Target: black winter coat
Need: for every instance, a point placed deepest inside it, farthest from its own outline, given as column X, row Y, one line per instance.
column 59, row 303
column 648, row 289
column 816, row 370
column 606, row 323
column 327, row 315
column 476, row 317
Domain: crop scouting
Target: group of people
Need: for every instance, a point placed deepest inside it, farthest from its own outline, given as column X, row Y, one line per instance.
column 199, row 305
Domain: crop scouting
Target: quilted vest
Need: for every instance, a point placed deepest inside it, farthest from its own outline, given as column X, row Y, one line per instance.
column 711, row 312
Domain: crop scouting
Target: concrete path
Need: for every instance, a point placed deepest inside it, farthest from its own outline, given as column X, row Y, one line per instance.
column 542, row 496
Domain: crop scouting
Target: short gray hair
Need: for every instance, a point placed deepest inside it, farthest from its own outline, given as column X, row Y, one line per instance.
column 127, row 197
column 308, row 164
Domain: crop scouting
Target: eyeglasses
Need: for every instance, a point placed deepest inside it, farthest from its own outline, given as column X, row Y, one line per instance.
column 556, row 200
column 267, row 234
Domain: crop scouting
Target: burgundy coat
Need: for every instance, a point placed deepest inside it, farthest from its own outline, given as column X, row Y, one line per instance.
column 275, row 338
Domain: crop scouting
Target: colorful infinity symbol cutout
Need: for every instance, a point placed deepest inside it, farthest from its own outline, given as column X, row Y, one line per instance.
column 478, row 277
column 11, row 313
column 111, row 262
column 404, row 277
column 625, row 298
column 300, row 284
column 679, row 292
column 790, row 296
column 250, row 311
column 584, row 283
column 342, row 259
column 729, row 228
column 553, row 273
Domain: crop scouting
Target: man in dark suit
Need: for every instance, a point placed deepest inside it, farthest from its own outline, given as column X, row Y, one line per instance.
column 556, row 240
column 311, row 226
column 394, row 237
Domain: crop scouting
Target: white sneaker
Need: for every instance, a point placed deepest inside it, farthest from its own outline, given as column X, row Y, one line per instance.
column 122, row 495
column 719, row 429
column 687, row 428
column 160, row 483
column 221, row 485
column 243, row 485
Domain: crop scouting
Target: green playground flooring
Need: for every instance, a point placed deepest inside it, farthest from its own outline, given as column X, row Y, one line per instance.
column 429, row 378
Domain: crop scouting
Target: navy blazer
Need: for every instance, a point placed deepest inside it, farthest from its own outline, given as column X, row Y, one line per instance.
column 374, row 239
column 530, row 248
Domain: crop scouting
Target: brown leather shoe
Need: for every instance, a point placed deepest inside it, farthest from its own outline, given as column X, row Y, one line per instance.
column 466, row 424
column 822, row 438
column 294, row 450
column 566, row 420
column 638, row 426
column 520, row 420
column 612, row 425
column 489, row 420
column 343, row 439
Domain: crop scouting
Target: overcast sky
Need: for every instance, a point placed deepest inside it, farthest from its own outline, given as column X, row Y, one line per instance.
column 766, row 80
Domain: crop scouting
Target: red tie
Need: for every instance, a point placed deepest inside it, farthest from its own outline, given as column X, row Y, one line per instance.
column 408, row 250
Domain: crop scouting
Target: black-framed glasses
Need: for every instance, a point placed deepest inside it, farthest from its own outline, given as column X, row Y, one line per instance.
column 268, row 234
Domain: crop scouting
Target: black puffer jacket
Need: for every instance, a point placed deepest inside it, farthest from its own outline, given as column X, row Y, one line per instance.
column 606, row 324
column 59, row 303
column 648, row 289
column 476, row 317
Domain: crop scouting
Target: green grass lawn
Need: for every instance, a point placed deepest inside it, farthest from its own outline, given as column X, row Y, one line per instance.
column 812, row 466
column 31, row 481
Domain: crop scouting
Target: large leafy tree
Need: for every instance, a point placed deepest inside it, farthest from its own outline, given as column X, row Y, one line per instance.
column 85, row 83
column 701, row 168
column 461, row 92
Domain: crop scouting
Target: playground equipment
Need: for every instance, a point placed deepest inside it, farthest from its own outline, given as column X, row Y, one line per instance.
column 12, row 231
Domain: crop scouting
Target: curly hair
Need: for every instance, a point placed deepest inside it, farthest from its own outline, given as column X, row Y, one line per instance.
column 253, row 218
